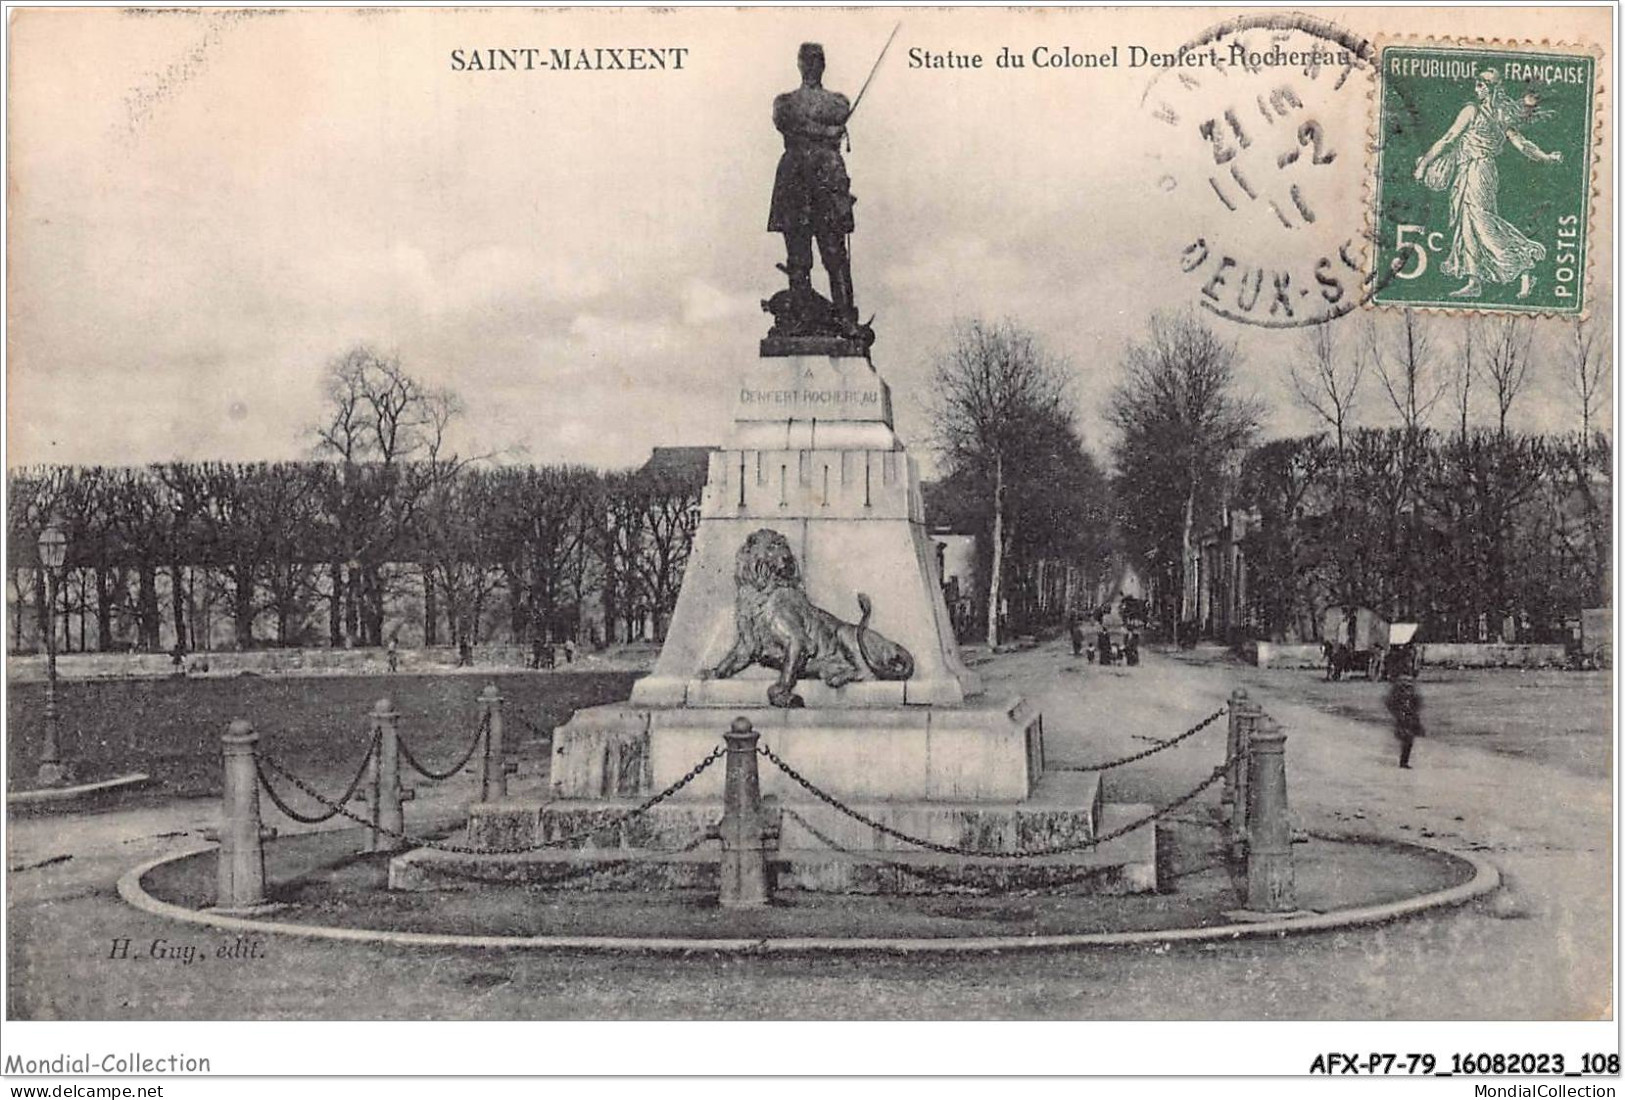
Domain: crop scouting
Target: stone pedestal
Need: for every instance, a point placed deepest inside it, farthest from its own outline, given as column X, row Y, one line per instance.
column 813, row 456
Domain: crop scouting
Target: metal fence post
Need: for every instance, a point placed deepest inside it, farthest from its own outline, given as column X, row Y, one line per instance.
column 743, row 829
column 388, row 817
column 1270, row 884
column 240, row 875
column 494, row 778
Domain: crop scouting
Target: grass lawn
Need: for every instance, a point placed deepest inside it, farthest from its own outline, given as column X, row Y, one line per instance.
column 318, row 727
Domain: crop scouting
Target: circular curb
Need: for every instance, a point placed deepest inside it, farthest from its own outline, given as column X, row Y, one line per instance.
column 68, row 794
column 1486, row 878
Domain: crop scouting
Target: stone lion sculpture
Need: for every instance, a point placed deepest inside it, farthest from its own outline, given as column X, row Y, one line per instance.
column 778, row 627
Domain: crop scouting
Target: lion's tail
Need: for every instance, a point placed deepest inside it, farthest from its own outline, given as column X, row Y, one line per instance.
column 863, row 633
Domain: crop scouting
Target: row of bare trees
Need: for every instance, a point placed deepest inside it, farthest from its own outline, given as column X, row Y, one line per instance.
column 159, row 553
column 1459, row 532
column 386, row 512
column 1478, row 378
column 1457, row 520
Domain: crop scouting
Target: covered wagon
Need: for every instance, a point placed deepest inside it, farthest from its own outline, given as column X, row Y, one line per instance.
column 1352, row 639
column 1402, row 655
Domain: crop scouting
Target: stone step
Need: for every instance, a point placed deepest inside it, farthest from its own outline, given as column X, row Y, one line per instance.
column 1064, row 809
column 1127, row 865
column 1124, row 865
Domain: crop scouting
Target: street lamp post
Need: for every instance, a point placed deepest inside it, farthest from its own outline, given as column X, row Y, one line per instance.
column 53, row 553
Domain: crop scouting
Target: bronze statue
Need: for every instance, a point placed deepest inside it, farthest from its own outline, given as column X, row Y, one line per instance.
column 778, row 627
column 812, row 200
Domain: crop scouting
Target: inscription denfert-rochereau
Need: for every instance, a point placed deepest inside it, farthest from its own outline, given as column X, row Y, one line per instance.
column 748, row 396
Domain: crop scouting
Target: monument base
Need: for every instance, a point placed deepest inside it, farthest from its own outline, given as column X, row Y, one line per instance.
column 820, row 850
column 969, row 777
column 982, row 751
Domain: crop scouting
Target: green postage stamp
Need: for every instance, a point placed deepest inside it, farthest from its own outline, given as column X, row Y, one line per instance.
column 1483, row 191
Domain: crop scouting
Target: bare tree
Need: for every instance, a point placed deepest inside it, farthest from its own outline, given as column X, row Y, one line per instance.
column 388, row 433
column 1589, row 370
column 1181, row 423
column 1325, row 384
column 1468, row 367
column 1506, row 362
column 1403, row 357
column 991, row 386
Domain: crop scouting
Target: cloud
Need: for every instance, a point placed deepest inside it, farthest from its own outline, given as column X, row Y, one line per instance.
column 704, row 304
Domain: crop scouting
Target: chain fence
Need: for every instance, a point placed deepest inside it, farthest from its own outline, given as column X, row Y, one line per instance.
column 1152, row 751
column 958, row 850
column 968, row 882
column 434, row 776
column 962, row 879
column 337, row 809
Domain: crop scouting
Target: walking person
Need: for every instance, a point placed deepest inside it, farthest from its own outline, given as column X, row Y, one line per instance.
column 1075, row 628
column 1405, row 704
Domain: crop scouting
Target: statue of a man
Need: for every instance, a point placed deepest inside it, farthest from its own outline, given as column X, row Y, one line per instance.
column 812, row 196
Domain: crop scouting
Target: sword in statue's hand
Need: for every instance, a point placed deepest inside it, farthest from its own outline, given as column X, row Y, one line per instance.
column 872, row 71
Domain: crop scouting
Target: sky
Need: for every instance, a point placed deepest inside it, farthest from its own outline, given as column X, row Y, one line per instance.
column 208, row 207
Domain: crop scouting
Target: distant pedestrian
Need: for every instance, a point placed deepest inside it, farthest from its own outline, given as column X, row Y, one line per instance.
column 1405, row 704
column 569, row 651
column 1103, row 642
column 1075, row 628
column 465, row 654
column 394, row 656
column 1131, row 648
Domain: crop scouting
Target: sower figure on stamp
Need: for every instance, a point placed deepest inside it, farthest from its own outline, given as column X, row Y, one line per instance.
column 1405, row 704
column 812, row 199
column 1484, row 245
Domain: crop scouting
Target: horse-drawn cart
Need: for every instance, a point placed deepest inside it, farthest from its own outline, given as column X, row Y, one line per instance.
column 1358, row 640
column 1353, row 639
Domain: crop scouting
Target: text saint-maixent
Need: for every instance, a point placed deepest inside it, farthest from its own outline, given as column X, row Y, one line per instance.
column 501, row 59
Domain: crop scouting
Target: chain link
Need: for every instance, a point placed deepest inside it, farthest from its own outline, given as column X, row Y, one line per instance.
column 262, row 761
column 956, row 850
column 434, row 776
column 959, row 879
column 466, row 849
column 1152, row 751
